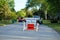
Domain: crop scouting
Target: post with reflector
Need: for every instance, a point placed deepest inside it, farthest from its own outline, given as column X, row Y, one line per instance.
column 37, row 26
column 24, row 26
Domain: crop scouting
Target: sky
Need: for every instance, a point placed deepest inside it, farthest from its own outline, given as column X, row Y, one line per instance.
column 19, row 4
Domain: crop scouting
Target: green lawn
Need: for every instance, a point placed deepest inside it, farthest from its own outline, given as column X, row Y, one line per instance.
column 5, row 22
column 2, row 24
column 55, row 26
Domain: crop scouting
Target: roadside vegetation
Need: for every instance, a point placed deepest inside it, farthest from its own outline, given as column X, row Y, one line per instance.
column 55, row 26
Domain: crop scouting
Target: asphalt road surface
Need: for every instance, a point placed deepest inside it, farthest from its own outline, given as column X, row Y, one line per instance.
column 15, row 32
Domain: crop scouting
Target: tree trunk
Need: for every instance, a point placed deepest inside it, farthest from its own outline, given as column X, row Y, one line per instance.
column 45, row 14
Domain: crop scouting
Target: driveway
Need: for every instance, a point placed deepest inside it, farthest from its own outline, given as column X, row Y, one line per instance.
column 15, row 32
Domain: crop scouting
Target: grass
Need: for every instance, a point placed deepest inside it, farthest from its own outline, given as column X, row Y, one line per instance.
column 5, row 22
column 2, row 24
column 55, row 26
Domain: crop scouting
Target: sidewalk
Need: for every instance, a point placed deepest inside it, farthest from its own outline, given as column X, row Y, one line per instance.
column 15, row 32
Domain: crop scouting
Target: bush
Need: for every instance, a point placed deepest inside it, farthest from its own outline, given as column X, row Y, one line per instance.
column 54, row 21
column 5, row 22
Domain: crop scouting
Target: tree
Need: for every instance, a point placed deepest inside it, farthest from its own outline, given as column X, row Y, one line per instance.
column 29, row 13
column 48, row 6
column 5, row 10
column 40, row 3
column 55, row 6
column 45, row 6
column 13, row 16
column 21, row 13
column 11, row 4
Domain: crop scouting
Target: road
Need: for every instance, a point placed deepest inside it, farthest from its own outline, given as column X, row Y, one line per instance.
column 15, row 32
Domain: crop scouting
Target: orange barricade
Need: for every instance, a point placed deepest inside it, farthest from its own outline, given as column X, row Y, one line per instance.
column 30, row 27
